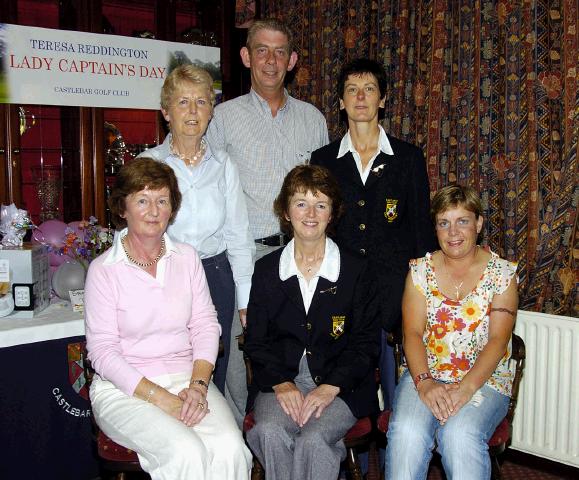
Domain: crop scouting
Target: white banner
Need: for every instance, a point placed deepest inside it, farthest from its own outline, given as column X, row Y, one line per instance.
column 62, row 67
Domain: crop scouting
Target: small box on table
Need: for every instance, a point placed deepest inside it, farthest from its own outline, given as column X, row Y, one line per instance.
column 29, row 268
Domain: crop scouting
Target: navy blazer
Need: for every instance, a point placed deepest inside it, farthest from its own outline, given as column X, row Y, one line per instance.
column 387, row 219
column 340, row 332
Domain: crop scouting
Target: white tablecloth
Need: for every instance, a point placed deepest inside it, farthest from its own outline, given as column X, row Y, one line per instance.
column 56, row 321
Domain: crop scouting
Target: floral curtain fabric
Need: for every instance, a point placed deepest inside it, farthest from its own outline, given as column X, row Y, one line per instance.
column 489, row 91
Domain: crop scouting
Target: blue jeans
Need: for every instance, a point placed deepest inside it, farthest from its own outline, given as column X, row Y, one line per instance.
column 222, row 289
column 414, row 432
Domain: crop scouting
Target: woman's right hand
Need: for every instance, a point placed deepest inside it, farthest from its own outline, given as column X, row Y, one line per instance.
column 290, row 399
column 437, row 398
column 170, row 404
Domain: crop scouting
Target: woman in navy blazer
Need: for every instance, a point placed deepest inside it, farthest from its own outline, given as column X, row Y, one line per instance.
column 313, row 336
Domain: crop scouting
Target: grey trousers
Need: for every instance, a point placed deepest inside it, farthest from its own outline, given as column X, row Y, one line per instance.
column 235, row 380
column 288, row 452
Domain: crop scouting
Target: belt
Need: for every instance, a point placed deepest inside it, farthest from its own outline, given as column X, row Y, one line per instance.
column 277, row 240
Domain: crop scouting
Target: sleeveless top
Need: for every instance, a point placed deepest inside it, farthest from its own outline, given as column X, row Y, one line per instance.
column 457, row 331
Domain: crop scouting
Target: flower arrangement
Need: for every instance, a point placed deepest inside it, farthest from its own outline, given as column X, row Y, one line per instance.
column 84, row 241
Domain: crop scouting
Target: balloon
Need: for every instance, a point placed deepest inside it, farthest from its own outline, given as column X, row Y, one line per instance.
column 74, row 226
column 51, row 270
column 50, row 232
column 56, row 259
column 68, row 276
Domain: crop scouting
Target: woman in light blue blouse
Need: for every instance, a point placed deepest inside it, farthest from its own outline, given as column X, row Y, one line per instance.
column 213, row 215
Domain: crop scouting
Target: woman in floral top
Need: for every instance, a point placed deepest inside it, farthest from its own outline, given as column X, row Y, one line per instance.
column 459, row 310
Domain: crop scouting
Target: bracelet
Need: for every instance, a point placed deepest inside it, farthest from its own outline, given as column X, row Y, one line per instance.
column 420, row 377
column 150, row 394
column 203, row 383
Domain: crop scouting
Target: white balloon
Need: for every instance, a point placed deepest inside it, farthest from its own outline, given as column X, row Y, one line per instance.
column 68, row 276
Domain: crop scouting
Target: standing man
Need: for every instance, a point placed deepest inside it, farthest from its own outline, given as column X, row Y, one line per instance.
column 385, row 187
column 266, row 133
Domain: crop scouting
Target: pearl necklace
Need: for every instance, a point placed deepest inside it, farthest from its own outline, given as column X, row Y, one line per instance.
column 190, row 161
column 144, row 264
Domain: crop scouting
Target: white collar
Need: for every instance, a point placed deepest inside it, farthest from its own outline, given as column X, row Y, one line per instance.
column 383, row 144
column 329, row 269
column 118, row 252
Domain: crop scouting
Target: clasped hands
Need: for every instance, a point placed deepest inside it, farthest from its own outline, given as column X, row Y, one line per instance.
column 189, row 405
column 301, row 408
column 444, row 399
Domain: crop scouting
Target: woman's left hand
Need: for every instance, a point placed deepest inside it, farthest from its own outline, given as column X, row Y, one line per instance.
column 460, row 396
column 316, row 402
column 195, row 405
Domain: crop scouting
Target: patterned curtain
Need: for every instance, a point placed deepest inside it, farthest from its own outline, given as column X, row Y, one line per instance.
column 489, row 91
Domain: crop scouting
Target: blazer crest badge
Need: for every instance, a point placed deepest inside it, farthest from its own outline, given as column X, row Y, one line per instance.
column 338, row 323
column 390, row 213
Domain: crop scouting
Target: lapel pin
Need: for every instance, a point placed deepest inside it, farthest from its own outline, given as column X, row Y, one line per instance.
column 331, row 290
column 379, row 170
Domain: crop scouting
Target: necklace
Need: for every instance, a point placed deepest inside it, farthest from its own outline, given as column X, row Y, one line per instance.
column 456, row 287
column 144, row 264
column 311, row 265
column 195, row 158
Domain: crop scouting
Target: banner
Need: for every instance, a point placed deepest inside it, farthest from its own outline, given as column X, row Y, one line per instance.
column 63, row 67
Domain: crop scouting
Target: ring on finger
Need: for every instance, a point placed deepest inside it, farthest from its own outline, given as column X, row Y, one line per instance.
column 201, row 405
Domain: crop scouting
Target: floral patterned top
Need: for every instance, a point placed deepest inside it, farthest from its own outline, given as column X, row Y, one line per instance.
column 457, row 331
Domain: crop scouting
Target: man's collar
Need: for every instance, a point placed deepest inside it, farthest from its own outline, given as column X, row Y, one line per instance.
column 262, row 102
column 383, row 144
column 329, row 269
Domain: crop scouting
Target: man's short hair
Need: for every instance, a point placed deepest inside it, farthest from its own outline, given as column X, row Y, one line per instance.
column 360, row 66
column 270, row 24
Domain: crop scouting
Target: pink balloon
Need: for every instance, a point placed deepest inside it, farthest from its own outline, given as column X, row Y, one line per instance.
column 50, row 232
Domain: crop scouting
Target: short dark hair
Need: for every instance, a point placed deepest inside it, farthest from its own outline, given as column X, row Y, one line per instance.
column 455, row 196
column 137, row 175
column 308, row 178
column 360, row 66
column 270, row 24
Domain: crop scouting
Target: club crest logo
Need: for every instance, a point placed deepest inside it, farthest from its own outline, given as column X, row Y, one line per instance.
column 338, row 322
column 76, row 369
column 390, row 213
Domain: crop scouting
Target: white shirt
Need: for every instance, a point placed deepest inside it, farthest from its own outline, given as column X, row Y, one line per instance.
column 329, row 269
column 213, row 215
column 383, row 146
column 118, row 254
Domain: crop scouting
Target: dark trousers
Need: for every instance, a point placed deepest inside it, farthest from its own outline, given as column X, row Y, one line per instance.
column 222, row 289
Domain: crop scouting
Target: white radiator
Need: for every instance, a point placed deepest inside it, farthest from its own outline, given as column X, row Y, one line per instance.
column 546, row 420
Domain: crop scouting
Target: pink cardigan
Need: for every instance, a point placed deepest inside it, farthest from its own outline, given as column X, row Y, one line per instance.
column 139, row 326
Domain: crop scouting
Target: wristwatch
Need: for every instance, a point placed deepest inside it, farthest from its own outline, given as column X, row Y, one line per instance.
column 199, row 382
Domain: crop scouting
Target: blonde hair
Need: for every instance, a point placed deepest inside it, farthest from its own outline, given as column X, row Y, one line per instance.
column 185, row 73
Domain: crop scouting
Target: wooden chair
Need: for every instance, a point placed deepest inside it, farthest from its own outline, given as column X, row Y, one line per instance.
column 360, row 436
column 112, row 457
column 502, row 434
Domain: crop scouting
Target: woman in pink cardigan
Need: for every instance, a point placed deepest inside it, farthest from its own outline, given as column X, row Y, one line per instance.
column 152, row 337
